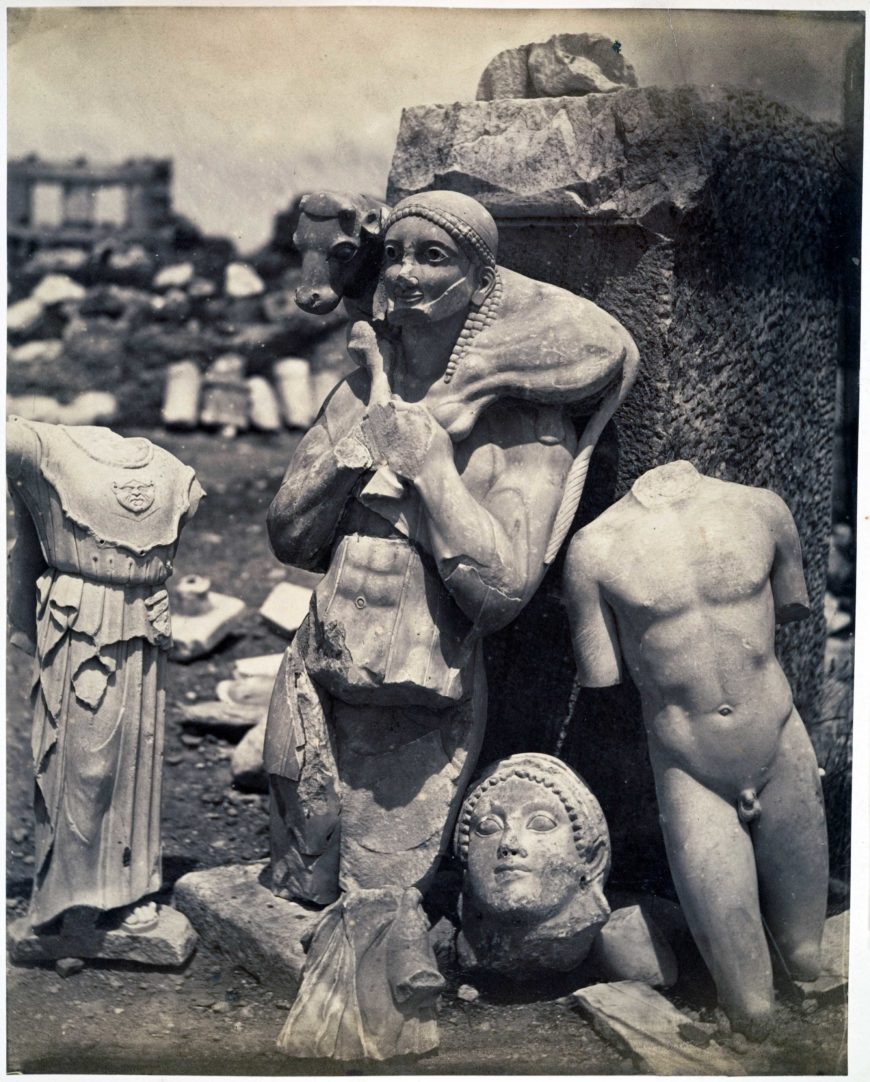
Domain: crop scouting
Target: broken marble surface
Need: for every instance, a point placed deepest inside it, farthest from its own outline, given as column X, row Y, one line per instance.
column 565, row 65
column 286, row 607
column 370, row 985
column 642, row 1023
column 631, row 946
column 833, row 978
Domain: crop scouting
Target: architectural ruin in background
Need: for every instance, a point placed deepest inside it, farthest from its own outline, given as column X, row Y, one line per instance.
column 77, row 203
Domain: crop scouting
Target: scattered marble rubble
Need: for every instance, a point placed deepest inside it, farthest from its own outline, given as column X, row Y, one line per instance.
column 286, row 607
column 225, row 398
column 201, row 618
column 87, row 408
column 158, row 336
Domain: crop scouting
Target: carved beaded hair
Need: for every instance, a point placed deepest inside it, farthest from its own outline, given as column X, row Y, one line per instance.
column 588, row 813
column 476, row 247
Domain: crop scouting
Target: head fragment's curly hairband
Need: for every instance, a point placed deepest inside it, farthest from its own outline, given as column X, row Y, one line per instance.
column 588, row 824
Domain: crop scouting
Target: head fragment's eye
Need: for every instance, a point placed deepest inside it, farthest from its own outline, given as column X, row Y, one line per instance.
column 343, row 252
column 541, row 822
column 435, row 255
column 391, row 252
column 489, row 824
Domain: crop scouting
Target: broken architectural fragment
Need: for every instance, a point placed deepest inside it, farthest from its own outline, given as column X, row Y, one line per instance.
column 566, row 65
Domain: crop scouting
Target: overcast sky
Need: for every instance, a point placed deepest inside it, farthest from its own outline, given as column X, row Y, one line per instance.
column 254, row 104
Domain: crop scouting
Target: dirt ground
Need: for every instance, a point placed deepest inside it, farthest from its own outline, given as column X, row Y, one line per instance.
column 211, row 1017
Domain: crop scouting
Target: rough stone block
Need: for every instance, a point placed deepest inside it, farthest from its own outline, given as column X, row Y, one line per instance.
column 567, row 64
column 261, row 665
column 226, row 718
column 241, row 280
column 264, row 412
column 24, row 318
column 236, row 913
column 246, row 762
column 293, row 382
column 246, row 690
column 631, row 947
column 834, row 976
column 57, row 288
column 286, row 607
column 577, row 64
column 176, row 276
column 195, row 636
column 641, row 1022
column 35, row 407
column 170, row 943
column 37, row 352
column 91, row 408
column 181, row 396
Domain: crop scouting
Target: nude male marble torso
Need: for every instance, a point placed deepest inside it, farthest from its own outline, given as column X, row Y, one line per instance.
column 685, row 579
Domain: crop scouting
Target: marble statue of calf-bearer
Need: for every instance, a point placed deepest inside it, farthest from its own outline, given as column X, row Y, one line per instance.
column 685, row 579
column 435, row 487
column 98, row 523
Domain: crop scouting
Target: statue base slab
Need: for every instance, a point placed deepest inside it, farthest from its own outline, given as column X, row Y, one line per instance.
column 235, row 911
column 170, row 943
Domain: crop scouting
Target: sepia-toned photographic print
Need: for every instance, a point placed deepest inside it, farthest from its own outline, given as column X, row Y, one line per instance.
column 432, row 528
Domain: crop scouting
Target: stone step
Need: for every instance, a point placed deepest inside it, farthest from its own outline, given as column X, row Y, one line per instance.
column 235, row 912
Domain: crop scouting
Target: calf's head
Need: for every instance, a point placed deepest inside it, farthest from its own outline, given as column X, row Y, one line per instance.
column 339, row 237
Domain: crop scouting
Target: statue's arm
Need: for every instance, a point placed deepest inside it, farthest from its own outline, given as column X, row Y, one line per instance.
column 25, row 561
column 787, row 580
column 489, row 525
column 593, row 625
column 303, row 516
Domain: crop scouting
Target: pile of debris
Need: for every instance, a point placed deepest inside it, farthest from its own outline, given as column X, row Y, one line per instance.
column 190, row 336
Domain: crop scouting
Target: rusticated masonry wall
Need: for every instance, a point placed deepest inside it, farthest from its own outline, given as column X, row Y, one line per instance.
column 705, row 222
